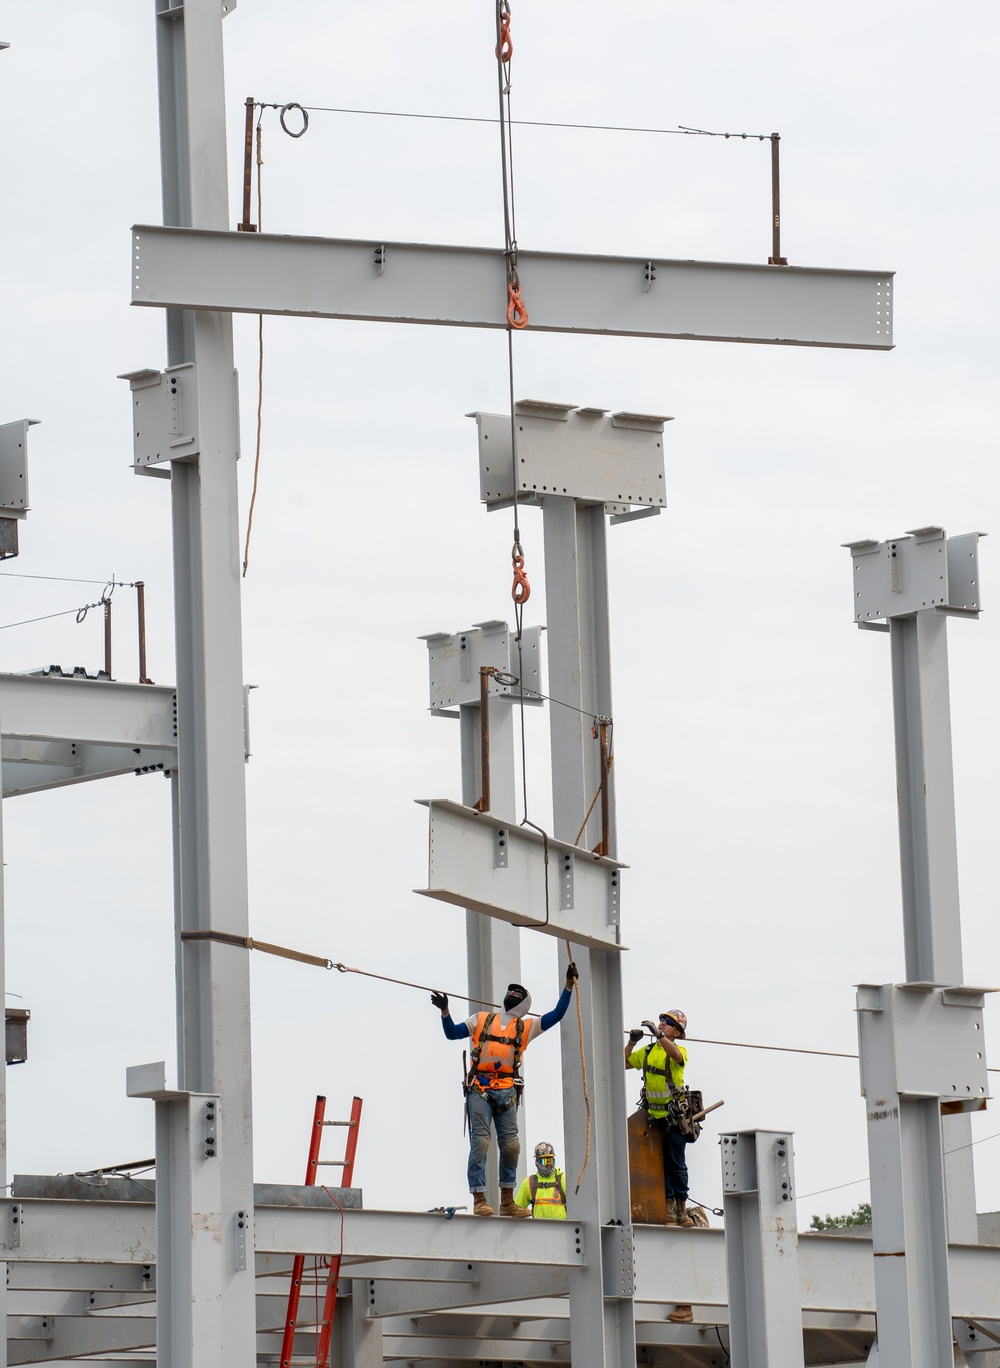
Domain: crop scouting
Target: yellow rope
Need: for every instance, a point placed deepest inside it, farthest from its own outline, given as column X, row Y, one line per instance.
column 583, row 1069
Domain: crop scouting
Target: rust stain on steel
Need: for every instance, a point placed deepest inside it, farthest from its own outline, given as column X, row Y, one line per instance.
column 891, row 1254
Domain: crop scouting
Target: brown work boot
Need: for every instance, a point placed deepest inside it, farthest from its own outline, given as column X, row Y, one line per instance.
column 508, row 1207
column 671, row 1216
column 683, row 1315
column 480, row 1206
column 684, row 1217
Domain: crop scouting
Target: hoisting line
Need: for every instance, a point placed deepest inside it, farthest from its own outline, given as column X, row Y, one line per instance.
column 320, row 961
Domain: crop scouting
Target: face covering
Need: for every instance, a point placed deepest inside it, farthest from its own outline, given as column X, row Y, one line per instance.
column 517, row 996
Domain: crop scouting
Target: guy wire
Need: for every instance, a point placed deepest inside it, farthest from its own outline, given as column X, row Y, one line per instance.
column 260, row 361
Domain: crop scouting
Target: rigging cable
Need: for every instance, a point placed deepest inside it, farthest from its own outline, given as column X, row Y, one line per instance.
column 260, row 344
column 517, row 319
column 681, row 131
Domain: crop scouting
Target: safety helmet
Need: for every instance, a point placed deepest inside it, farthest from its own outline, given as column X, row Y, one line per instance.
column 545, row 1157
column 678, row 1019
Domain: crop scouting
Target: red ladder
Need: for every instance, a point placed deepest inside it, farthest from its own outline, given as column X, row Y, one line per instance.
column 325, row 1326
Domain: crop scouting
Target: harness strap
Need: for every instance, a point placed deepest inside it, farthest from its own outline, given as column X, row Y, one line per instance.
column 533, row 1189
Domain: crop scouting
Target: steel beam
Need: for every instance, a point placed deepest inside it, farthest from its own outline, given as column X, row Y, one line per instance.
column 579, row 651
column 59, row 731
column 185, row 268
column 480, row 861
column 909, row 586
column 492, row 946
column 762, row 1263
column 494, row 1285
column 406, row 1235
column 209, row 798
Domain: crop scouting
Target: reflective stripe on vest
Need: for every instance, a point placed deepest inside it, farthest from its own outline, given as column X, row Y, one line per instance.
column 660, row 1100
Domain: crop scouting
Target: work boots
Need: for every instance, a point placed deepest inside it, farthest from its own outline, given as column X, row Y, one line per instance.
column 508, row 1207
column 671, row 1216
column 681, row 1315
column 684, row 1217
column 480, row 1206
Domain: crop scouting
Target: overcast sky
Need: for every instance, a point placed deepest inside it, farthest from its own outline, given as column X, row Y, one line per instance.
column 752, row 720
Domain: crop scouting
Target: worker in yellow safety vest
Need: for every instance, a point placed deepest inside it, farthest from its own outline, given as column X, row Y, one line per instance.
column 544, row 1191
column 493, row 1084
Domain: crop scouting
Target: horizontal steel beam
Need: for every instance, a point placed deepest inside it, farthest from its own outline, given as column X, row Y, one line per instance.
column 58, row 731
column 56, row 1240
column 395, row 282
column 511, row 872
column 408, row 1235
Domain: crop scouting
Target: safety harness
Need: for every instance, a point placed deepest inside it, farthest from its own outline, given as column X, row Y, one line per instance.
column 676, row 1102
column 560, row 1183
column 516, row 1044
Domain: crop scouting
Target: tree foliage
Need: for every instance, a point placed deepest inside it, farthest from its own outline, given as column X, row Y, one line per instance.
column 860, row 1216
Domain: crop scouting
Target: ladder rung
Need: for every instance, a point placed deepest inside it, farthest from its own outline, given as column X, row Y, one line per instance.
column 332, row 1163
column 339, row 1123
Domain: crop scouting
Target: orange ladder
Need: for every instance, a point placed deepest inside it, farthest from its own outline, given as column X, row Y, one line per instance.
column 313, row 1163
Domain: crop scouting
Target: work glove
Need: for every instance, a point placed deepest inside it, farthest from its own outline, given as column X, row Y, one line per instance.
column 635, row 1034
column 440, row 1000
column 654, row 1031
column 572, row 974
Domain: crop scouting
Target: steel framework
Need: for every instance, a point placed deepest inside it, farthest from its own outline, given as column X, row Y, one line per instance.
column 204, row 1272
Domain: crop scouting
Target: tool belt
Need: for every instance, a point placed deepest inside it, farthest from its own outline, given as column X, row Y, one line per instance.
column 516, row 1092
column 683, row 1107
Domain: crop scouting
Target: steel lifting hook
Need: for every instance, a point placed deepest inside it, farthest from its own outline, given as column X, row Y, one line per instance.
column 521, row 589
column 517, row 314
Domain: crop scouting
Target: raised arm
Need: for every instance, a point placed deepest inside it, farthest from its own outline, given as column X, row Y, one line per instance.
column 634, row 1036
column 559, row 1010
column 453, row 1030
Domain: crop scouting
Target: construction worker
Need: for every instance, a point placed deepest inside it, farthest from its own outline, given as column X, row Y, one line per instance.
column 544, row 1191
column 493, row 1085
column 662, row 1065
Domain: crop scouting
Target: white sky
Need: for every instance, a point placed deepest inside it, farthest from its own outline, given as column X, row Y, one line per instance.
column 752, row 721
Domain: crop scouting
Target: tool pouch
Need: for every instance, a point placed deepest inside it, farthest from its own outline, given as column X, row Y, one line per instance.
column 688, row 1103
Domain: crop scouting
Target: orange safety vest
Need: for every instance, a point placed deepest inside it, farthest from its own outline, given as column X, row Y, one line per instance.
column 497, row 1050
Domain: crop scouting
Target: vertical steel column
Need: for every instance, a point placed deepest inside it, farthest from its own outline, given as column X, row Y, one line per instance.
column 762, row 1250
column 360, row 1334
column 210, row 801
column 3, row 1080
column 928, row 854
column 602, row 1327
column 493, row 947
column 189, row 1330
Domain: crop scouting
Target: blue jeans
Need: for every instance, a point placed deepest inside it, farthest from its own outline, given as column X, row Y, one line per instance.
column 499, row 1106
column 675, row 1169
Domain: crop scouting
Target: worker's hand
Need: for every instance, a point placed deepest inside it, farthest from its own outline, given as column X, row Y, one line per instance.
column 572, row 974
column 635, row 1034
column 440, row 1000
column 653, row 1030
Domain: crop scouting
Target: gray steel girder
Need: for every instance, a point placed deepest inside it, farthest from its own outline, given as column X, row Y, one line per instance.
column 185, row 268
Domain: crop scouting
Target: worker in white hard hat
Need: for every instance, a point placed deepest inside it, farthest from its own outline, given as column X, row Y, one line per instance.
column 662, row 1064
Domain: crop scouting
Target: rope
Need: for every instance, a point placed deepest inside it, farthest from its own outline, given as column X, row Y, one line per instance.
column 260, row 355
column 583, row 1073
column 593, row 804
column 320, row 961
